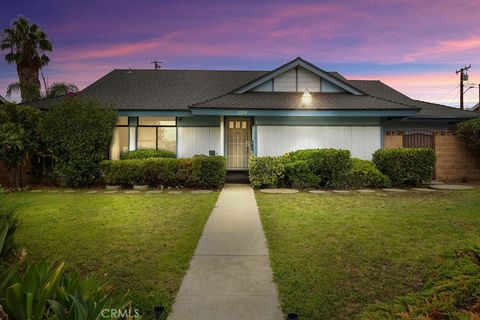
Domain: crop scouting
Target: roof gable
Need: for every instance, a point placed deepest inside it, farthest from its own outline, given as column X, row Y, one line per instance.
column 331, row 81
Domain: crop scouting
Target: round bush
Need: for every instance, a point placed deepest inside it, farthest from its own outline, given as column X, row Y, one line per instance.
column 406, row 166
column 363, row 173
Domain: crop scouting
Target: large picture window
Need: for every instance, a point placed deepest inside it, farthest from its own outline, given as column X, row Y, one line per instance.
column 157, row 133
column 148, row 133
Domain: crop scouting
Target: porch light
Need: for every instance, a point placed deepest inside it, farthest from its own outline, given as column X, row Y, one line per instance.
column 307, row 97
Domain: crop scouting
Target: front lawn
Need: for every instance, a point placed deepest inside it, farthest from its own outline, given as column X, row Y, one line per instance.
column 140, row 242
column 333, row 255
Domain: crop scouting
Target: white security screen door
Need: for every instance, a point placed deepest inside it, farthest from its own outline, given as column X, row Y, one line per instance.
column 238, row 143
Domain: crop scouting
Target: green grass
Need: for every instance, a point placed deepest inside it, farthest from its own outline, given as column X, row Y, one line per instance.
column 139, row 242
column 334, row 255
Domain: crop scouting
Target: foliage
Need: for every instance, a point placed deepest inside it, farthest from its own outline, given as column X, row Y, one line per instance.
column 143, row 154
column 363, row 173
column 406, row 166
column 11, row 144
column 60, row 89
column 26, row 46
column 78, row 133
column 469, row 133
column 209, row 171
column 330, row 165
column 266, row 172
column 452, row 292
column 198, row 171
column 299, row 175
column 19, row 135
column 44, row 291
column 9, row 224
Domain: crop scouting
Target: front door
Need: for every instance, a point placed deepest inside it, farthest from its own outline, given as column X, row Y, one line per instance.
column 239, row 139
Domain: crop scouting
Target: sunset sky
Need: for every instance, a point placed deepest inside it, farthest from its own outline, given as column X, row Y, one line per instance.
column 413, row 45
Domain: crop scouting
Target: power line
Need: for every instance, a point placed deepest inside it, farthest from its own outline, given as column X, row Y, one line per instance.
column 455, row 98
column 447, row 94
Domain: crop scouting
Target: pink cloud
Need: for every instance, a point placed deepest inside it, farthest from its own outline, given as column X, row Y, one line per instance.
column 444, row 48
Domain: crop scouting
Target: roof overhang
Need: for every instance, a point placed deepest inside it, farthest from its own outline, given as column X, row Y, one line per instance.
column 299, row 62
column 303, row 113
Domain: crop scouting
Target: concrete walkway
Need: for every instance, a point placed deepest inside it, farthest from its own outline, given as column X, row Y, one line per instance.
column 230, row 276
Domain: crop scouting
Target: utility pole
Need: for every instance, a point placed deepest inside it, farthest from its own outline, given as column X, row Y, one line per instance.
column 157, row 64
column 463, row 77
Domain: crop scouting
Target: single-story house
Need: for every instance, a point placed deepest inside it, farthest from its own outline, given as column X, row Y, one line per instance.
column 239, row 113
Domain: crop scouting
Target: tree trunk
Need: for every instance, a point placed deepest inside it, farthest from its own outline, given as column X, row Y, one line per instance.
column 29, row 83
column 20, row 176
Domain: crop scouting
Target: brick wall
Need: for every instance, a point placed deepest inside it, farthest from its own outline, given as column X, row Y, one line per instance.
column 454, row 162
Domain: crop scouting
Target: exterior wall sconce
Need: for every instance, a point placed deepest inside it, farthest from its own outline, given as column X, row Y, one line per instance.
column 306, row 97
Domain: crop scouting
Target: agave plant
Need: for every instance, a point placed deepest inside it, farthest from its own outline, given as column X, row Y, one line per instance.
column 28, row 295
column 84, row 300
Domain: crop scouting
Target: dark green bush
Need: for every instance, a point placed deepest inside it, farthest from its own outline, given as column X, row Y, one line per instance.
column 144, row 154
column 199, row 171
column 78, row 133
column 209, row 171
column 469, row 133
column 266, row 171
column 406, row 166
column 330, row 165
column 299, row 175
column 363, row 173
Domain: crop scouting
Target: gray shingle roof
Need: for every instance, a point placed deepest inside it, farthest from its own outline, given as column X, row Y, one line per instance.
column 166, row 89
column 183, row 89
column 293, row 100
column 378, row 89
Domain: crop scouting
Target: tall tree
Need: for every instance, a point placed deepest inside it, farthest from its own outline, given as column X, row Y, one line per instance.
column 26, row 45
column 60, row 89
column 55, row 90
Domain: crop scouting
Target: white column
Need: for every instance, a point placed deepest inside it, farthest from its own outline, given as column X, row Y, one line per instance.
column 221, row 152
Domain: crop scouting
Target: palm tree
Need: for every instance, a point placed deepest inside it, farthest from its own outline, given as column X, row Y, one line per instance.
column 26, row 45
column 60, row 89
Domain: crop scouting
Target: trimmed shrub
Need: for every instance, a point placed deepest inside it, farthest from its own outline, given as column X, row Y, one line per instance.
column 78, row 133
column 406, row 166
column 330, row 165
column 363, row 173
column 469, row 133
column 209, row 171
column 144, row 154
column 266, row 171
column 199, row 171
column 299, row 175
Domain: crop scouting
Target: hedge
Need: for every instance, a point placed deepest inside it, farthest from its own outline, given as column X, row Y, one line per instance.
column 266, row 172
column 409, row 166
column 144, row 154
column 197, row 171
column 299, row 175
column 469, row 133
column 363, row 173
column 331, row 166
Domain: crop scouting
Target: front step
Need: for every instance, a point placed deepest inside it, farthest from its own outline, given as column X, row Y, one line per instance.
column 237, row 177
